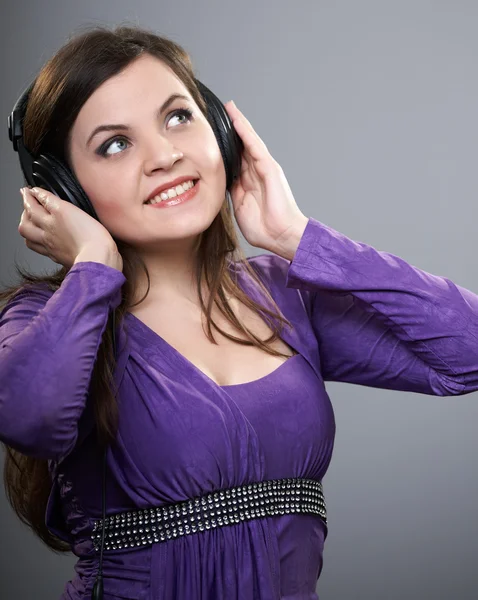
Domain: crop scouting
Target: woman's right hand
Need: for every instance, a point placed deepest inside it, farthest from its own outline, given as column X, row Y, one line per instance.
column 63, row 232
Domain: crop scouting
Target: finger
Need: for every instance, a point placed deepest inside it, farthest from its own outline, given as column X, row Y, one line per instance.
column 24, row 218
column 33, row 235
column 247, row 165
column 242, row 120
column 26, row 214
column 253, row 143
column 46, row 199
column 30, row 202
column 29, row 231
column 36, row 247
column 27, row 208
column 34, row 211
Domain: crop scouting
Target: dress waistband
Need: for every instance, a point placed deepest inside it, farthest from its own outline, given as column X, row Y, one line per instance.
column 216, row 509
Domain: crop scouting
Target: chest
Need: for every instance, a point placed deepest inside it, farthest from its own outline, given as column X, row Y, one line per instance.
column 226, row 362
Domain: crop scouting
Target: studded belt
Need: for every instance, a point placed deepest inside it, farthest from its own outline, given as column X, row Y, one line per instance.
column 223, row 507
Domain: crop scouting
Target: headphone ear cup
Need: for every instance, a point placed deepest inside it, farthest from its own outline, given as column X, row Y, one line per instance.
column 230, row 144
column 52, row 175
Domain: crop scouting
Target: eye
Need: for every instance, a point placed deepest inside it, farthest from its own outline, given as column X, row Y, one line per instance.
column 183, row 112
column 104, row 149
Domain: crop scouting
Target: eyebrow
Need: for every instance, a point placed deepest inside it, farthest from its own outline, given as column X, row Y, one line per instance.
column 123, row 127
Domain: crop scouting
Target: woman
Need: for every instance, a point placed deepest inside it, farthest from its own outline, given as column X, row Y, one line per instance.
column 188, row 415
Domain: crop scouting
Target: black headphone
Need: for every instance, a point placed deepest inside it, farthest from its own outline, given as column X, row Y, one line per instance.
column 50, row 173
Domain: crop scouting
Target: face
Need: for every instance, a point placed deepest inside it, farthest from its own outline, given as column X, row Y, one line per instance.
column 120, row 167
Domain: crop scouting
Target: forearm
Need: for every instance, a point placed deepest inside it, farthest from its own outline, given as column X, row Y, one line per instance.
column 47, row 357
column 431, row 316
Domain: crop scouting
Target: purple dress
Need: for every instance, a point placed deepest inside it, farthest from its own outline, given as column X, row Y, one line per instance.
column 359, row 315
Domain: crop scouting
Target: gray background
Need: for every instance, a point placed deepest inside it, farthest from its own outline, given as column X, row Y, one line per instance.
column 371, row 109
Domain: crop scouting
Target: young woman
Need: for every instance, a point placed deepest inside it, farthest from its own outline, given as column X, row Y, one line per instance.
column 216, row 442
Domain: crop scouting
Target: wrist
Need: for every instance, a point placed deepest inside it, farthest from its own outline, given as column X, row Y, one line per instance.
column 286, row 246
column 105, row 255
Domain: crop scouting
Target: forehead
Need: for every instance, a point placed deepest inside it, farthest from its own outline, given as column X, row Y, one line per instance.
column 144, row 83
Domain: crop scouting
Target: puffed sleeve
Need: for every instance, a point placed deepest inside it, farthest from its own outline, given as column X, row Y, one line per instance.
column 48, row 346
column 381, row 322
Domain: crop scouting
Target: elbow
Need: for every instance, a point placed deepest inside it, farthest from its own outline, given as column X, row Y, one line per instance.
column 35, row 432
column 35, row 417
column 446, row 385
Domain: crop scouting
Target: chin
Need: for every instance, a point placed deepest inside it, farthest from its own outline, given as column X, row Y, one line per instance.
column 173, row 233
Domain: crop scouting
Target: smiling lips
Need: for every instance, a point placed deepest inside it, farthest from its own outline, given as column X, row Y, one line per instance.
column 170, row 185
column 178, row 195
column 172, row 192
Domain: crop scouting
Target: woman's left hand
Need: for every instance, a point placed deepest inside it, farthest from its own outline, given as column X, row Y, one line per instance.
column 265, row 209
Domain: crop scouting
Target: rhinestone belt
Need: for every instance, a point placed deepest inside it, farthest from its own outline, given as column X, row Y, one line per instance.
column 216, row 509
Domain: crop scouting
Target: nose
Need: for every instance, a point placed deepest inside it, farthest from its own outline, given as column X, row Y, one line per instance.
column 159, row 154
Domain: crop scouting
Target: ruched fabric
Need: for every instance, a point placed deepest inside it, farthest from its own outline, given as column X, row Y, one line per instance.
column 358, row 315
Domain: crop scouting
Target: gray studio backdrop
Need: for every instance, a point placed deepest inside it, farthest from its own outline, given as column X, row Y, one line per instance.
column 371, row 109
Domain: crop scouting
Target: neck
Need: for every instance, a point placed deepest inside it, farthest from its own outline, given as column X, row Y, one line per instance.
column 172, row 272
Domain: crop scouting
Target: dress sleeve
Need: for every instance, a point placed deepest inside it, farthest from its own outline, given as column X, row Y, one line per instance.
column 381, row 322
column 48, row 346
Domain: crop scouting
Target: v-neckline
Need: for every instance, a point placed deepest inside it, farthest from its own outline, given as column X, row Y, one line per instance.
column 179, row 356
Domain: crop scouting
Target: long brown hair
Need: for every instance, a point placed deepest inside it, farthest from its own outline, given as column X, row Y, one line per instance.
column 62, row 87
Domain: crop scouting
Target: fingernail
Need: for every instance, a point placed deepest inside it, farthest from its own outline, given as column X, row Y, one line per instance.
column 35, row 190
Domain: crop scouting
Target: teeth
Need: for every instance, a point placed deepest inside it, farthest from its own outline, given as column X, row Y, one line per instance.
column 172, row 192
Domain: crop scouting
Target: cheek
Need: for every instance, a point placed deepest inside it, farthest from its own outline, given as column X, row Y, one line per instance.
column 212, row 157
column 208, row 152
column 107, row 191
